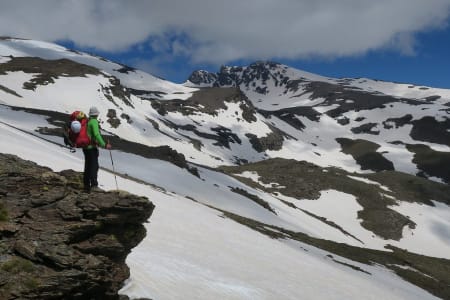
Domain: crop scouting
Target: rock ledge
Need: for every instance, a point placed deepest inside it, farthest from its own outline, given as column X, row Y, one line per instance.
column 59, row 243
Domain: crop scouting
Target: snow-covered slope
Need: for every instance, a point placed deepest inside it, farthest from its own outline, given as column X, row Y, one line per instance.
column 273, row 86
column 317, row 113
column 192, row 251
column 282, row 112
column 271, row 229
column 130, row 77
column 139, row 106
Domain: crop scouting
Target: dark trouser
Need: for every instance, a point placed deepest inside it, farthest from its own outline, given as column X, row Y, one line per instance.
column 90, row 168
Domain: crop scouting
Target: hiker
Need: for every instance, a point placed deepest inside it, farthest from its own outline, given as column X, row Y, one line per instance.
column 91, row 151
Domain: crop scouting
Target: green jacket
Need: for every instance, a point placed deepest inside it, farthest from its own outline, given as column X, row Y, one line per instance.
column 93, row 131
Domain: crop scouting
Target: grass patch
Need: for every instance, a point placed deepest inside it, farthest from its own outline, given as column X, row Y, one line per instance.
column 364, row 153
column 330, row 223
column 303, row 180
column 431, row 162
column 356, row 268
column 74, row 179
column 3, row 213
column 19, row 273
column 46, row 70
column 428, row 129
column 254, row 198
column 18, row 265
column 412, row 188
column 30, row 283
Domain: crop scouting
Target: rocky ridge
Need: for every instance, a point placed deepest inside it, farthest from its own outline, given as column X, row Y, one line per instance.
column 59, row 243
column 375, row 113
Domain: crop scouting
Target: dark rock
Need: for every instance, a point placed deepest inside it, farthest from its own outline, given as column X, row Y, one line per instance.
column 428, row 129
column 118, row 90
column 343, row 121
column 202, row 77
column 58, row 243
column 245, row 77
column 272, row 141
column 223, row 136
column 433, row 98
column 399, row 122
column 290, row 115
column 126, row 117
column 112, row 118
column 366, row 128
column 209, row 101
column 126, row 69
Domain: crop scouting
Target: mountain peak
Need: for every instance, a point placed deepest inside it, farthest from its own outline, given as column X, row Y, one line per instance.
column 238, row 76
column 257, row 65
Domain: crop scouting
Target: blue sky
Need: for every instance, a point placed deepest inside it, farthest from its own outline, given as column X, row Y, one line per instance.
column 428, row 65
column 393, row 40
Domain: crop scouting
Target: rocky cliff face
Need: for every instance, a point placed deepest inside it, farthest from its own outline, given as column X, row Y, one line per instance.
column 60, row 243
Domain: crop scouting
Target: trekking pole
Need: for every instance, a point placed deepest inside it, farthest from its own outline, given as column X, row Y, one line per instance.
column 114, row 171
column 72, row 149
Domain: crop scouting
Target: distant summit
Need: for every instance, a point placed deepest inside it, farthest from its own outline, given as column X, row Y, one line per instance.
column 240, row 76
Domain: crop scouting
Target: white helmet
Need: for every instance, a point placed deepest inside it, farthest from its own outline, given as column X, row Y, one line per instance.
column 75, row 126
column 93, row 111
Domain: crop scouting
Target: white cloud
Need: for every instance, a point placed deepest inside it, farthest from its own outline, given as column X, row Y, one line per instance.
column 219, row 31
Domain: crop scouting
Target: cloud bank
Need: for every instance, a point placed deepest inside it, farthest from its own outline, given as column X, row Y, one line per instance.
column 211, row 31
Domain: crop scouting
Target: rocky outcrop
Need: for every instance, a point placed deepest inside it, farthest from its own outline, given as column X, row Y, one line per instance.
column 272, row 141
column 60, row 243
column 209, row 101
column 242, row 76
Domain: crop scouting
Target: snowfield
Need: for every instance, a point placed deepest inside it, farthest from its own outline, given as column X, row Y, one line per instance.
column 191, row 252
column 137, row 80
column 192, row 134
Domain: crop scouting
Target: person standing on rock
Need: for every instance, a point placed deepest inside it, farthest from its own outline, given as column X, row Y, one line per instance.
column 91, row 152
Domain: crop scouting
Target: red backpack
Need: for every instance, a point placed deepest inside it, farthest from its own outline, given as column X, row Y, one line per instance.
column 79, row 139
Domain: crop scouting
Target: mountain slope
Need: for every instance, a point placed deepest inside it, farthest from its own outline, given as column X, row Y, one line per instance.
column 300, row 185
column 282, row 112
column 314, row 111
column 192, row 251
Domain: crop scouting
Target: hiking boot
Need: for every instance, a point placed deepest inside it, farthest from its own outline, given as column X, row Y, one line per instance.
column 96, row 189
